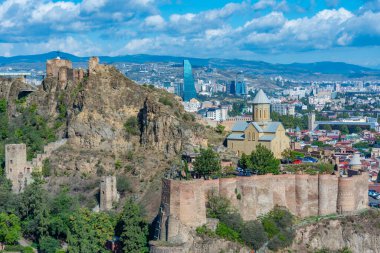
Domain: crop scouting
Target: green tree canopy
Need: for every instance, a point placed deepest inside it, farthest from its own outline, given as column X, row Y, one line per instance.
column 10, row 229
column 344, row 129
column 207, row 163
column 89, row 231
column 261, row 161
column 132, row 229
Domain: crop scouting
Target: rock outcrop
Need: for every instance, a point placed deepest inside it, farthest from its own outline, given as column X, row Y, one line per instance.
column 358, row 233
column 92, row 112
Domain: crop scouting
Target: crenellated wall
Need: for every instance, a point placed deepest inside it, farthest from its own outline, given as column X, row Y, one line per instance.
column 184, row 202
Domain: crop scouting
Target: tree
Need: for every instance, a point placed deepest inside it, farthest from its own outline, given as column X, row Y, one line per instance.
column 207, row 162
column 89, row 231
column 357, row 129
column 261, row 161
column 10, row 229
column 48, row 244
column 220, row 129
column 344, row 129
column 132, row 229
column 253, row 234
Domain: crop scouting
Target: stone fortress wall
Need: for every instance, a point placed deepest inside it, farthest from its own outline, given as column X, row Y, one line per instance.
column 184, row 202
column 18, row 169
column 63, row 70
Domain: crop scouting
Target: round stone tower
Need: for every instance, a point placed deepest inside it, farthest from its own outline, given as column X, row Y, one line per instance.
column 355, row 165
column 261, row 107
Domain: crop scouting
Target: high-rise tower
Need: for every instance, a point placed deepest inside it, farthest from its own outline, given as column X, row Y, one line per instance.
column 188, row 82
column 311, row 121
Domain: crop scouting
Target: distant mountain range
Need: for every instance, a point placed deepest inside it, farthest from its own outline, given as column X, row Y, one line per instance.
column 255, row 67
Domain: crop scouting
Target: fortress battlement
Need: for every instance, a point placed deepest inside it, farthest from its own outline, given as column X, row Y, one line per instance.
column 18, row 169
column 184, row 202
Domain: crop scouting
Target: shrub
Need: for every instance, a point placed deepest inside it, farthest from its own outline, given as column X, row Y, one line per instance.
column 165, row 101
column 118, row 164
column 217, row 206
column 46, row 168
column 220, row 129
column 122, row 184
column 232, row 220
column 203, row 230
column 28, row 250
column 228, row 233
column 131, row 126
column 253, row 234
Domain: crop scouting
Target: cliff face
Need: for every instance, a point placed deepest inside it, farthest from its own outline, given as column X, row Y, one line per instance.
column 358, row 233
column 92, row 114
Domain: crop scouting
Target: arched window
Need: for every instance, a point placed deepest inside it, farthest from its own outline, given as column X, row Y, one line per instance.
column 265, row 113
column 260, row 114
column 249, row 136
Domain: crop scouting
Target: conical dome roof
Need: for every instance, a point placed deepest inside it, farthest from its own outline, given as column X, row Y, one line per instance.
column 261, row 98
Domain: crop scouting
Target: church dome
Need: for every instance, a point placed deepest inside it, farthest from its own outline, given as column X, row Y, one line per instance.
column 261, row 98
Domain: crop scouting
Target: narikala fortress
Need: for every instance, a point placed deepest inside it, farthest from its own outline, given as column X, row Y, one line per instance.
column 183, row 203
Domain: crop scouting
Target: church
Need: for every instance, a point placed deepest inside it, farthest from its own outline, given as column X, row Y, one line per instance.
column 245, row 136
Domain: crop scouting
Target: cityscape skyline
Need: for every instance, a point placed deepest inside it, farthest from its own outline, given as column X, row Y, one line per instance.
column 268, row 30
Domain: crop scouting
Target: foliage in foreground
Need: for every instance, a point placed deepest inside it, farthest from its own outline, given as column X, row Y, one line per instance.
column 207, row 163
column 273, row 228
column 48, row 220
column 260, row 161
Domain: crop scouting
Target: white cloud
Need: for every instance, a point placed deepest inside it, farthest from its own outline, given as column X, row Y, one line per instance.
column 55, row 11
column 155, row 21
column 92, row 5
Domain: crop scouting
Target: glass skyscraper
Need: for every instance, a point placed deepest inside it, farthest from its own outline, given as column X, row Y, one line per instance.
column 240, row 87
column 188, row 82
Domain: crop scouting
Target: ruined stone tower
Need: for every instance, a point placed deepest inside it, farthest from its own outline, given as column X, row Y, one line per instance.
column 92, row 64
column 108, row 193
column 16, row 166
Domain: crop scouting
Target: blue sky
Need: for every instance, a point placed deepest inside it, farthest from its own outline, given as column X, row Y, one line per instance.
column 278, row 31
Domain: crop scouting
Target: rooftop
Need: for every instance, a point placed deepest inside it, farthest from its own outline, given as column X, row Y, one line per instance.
column 261, row 98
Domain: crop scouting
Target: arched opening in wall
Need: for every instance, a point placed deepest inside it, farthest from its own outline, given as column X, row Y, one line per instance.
column 265, row 113
column 249, row 136
column 260, row 114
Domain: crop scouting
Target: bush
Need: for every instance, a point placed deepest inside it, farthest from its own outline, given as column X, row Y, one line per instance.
column 278, row 226
column 46, row 168
column 253, row 234
column 188, row 117
column 220, row 129
column 217, row 206
column 28, row 250
column 203, row 230
column 165, row 101
column 232, row 220
column 122, row 184
column 118, row 164
column 131, row 126
column 228, row 233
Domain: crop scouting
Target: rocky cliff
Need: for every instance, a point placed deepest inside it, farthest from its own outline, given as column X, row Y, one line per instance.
column 358, row 233
column 113, row 126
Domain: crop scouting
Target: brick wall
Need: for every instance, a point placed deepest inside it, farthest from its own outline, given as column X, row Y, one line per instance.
column 304, row 195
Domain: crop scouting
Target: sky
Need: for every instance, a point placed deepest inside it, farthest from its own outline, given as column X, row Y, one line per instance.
column 277, row 31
